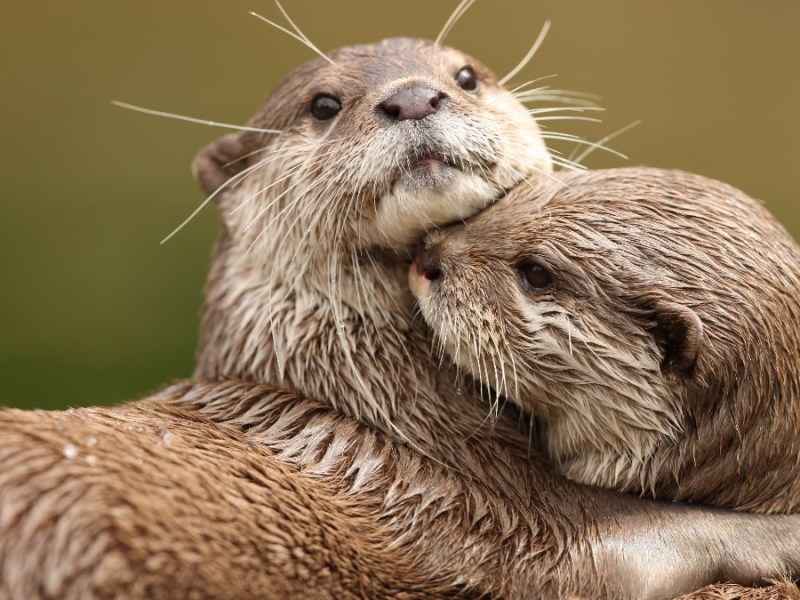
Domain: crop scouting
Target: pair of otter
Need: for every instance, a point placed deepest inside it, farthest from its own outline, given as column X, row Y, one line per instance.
column 321, row 449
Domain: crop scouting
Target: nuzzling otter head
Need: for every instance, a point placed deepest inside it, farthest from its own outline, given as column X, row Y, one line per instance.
column 649, row 319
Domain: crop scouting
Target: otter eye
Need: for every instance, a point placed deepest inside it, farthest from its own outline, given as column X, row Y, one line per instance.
column 325, row 107
column 467, row 80
column 536, row 276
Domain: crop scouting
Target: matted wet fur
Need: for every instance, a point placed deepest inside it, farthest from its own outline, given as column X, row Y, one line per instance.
column 649, row 319
column 374, row 473
column 234, row 490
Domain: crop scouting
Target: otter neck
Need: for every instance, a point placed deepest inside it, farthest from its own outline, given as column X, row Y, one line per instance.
column 351, row 342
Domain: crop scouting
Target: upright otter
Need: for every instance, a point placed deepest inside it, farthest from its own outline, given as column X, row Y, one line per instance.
column 373, row 448
column 649, row 319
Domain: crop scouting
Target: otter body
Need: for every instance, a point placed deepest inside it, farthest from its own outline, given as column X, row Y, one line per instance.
column 318, row 427
column 151, row 501
column 649, row 319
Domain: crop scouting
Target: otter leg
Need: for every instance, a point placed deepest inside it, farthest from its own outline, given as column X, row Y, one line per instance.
column 783, row 590
column 669, row 548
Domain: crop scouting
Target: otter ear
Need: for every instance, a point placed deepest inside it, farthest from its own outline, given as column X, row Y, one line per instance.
column 680, row 331
column 218, row 162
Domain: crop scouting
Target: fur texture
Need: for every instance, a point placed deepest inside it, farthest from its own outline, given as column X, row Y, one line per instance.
column 234, row 490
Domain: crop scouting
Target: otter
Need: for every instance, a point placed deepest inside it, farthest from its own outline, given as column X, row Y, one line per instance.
column 318, row 445
column 649, row 320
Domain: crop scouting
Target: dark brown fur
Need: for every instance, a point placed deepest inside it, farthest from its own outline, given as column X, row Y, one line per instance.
column 674, row 314
column 374, row 473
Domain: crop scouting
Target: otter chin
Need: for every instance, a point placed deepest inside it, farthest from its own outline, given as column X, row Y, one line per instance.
column 647, row 320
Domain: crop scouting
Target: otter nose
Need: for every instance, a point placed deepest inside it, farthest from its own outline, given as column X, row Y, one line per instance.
column 411, row 103
column 428, row 264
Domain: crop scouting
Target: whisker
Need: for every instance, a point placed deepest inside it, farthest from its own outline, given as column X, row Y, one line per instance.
column 546, row 93
column 540, row 111
column 569, row 118
column 286, row 174
column 510, row 354
column 602, row 141
column 310, row 161
column 243, row 157
column 301, row 34
column 160, row 113
column 280, row 154
column 459, row 11
column 213, row 195
column 568, row 137
column 518, row 91
column 300, row 38
column 526, row 59
column 526, row 179
column 567, row 164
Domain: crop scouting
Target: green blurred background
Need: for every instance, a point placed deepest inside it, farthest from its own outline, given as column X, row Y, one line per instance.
column 94, row 310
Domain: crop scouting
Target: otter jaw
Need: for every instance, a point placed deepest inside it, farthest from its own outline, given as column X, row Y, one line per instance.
column 405, row 214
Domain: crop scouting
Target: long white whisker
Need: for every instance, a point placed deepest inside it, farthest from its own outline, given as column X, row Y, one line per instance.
column 569, row 118
column 160, row 113
column 286, row 174
column 213, row 195
column 526, row 179
column 578, row 140
column 311, row 161
column 519, row 92
column 301, row 34
column 546, row 92
column 539, row 111
column 529, row 55
column 300, row 38
column 510, row 354
column 567, row 164
column 599, row 143
column 459, row 11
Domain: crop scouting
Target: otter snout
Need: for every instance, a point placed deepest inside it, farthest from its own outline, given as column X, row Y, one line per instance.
column 411, row 103
column 425, row 271
column 428, row 263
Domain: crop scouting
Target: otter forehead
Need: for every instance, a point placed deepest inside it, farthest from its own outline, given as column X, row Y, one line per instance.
column 399, row 57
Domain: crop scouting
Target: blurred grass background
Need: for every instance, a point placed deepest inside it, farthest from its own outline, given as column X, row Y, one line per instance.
column 94, row 310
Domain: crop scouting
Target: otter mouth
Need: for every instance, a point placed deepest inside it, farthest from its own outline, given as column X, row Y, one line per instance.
column 428, row 170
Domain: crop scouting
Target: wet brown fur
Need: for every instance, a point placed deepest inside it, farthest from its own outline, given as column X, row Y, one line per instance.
column 371, row 472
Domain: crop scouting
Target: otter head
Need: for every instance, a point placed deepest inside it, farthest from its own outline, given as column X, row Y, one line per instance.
column 623, row 309
column 377, row 144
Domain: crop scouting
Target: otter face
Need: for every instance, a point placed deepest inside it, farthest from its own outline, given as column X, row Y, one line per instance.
column 377, row 146
column 571, row 300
